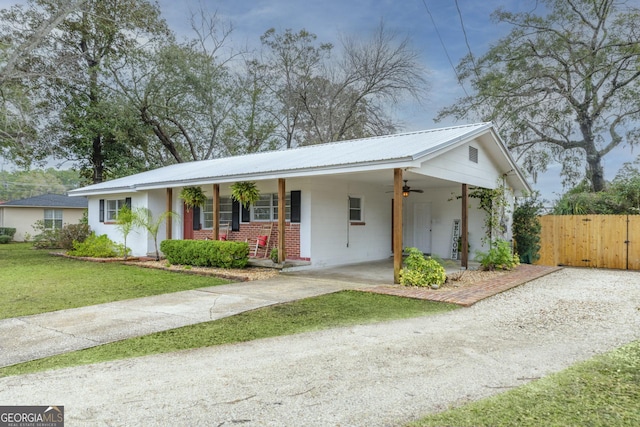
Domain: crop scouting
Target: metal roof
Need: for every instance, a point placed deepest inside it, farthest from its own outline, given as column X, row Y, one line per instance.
column 380, row 152
column 49, row 201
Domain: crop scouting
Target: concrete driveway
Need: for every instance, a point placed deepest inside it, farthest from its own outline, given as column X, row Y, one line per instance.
column 33, row 337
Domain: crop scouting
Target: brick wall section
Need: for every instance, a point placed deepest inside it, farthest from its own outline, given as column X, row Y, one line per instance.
column 249, row 231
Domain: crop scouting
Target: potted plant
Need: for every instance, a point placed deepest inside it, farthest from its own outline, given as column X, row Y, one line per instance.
column 193, row 196
column 245, row 192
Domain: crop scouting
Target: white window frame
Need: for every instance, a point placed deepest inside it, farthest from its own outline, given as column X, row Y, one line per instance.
column 55, row 218
column 359, row 209
column 272, row 206
column 111, row 209
column 224, row 216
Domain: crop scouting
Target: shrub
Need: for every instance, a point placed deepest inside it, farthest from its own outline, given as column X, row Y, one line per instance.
column 46, row 238
column 499, row 257
column 4, row 239
column 97, row 247
column 274, row 255
column 7, row 231
column 73, row 233
column 527, row 228
column 421, row 271
column 206, row 253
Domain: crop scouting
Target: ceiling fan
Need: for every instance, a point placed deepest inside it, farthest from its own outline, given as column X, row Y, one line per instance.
column 406, row 189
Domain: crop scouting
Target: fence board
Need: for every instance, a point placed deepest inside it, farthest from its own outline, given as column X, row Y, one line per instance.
column 590, row 241
column 634, row 242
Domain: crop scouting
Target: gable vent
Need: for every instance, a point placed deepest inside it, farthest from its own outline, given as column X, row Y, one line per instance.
column 473, row 154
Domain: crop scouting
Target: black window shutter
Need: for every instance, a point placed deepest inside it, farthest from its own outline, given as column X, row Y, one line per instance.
column 295, row 205
column 246, row 215
column 127, row 202
column 196, row 218
column 235, row 215
column 101, row 218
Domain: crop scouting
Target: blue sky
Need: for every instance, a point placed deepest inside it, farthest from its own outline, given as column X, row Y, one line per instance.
column 329, row 18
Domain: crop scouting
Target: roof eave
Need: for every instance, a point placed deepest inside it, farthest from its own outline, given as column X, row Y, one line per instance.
column 405, row 162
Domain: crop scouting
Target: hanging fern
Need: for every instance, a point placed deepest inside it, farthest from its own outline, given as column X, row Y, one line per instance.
column 193, row 197
column 245, row 192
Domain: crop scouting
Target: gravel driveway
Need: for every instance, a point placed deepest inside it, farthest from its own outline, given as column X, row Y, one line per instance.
column 372, row 375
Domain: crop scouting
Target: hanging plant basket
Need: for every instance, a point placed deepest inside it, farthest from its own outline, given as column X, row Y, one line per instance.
column 245, row 192
column 193, row 197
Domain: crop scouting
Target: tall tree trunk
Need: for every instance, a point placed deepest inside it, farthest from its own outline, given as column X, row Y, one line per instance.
column 595, row 171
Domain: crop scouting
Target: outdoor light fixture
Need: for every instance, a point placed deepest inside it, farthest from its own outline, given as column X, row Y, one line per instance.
column 405, row 193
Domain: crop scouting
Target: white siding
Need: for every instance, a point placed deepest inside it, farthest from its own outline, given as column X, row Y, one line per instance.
column 335, row 239
column 455, row 165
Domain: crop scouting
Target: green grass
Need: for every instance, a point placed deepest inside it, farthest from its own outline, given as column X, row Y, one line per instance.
column 332, row 310
column 33, row 281
column 603, row 391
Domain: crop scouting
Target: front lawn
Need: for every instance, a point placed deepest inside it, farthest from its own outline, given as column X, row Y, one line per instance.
column 33, row 281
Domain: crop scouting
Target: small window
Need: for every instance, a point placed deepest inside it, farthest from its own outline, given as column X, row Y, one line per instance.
column 113, row 207
column 225, row 215
column 355, row 209
column 473, row 154
column 52, row 219
column 266, row 209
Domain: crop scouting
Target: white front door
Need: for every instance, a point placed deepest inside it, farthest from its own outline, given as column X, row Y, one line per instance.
column 422, row 227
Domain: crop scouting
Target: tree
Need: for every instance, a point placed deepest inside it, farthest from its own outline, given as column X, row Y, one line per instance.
column 292, row 60
column 126, row 222
column 30, row 38
column 185, row 92
column 321, row 100
column 66, row 71
column 144, row 218
column 562, row 87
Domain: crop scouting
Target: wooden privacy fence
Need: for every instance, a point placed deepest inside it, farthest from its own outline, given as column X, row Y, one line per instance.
column 602, row 241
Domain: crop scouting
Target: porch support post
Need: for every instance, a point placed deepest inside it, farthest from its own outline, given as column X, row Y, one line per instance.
column 169, row 221
column 216, row 212
column 464, row 258
column 397, row 224
column 281, row 220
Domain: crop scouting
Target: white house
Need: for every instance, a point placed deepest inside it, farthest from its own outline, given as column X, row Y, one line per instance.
column 340, row 198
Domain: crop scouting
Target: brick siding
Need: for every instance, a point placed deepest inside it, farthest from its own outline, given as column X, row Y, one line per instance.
column 249, row 231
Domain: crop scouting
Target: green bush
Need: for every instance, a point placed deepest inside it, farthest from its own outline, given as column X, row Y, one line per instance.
column 7, row 231
column 4, row 239
column 206, row 253
column 274, row 255
column 97, row 247
column 46, row 238
column 421, row 271
column 499, row 257
column 527, row 228
column 73, row 233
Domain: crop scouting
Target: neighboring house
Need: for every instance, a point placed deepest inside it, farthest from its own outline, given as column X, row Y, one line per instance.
column 54, row 210
column 339, row 196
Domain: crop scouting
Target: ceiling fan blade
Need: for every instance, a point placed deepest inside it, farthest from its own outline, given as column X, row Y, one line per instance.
column 417, row 191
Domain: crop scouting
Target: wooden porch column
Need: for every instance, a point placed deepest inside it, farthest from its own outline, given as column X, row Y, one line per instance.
column 281, row 220
column 169, row 221
column 464, row 258
column 216, row 212
column 397, row 224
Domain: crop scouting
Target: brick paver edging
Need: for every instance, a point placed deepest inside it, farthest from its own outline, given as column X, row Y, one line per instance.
column 471, row 294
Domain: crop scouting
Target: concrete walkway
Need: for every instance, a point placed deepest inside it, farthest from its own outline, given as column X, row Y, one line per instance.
column 32, row 337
